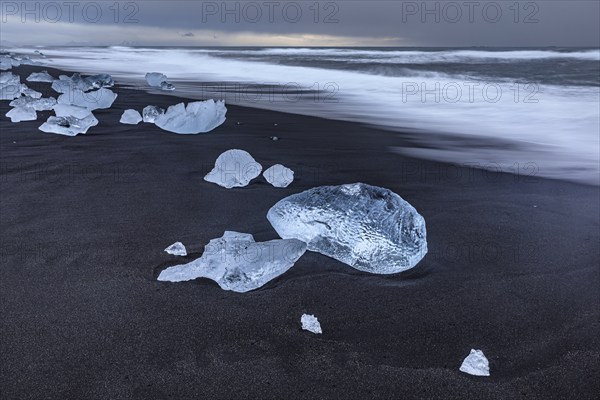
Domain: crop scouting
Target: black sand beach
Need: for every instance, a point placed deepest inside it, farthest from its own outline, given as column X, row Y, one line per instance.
column 512, row 270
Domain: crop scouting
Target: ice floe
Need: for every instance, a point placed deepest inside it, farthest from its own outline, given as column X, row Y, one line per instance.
column 238, row 263
column 234, row 168
column 310, row 323
column 279, row 176
column 131, row 117
column 197, row 117
column 177, row 249
column 367, row 227
column 476, row 364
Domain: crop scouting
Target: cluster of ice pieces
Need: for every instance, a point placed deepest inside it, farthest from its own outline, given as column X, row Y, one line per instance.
column 310, row 323
column 131, row 117
column 25, row 101
column 367, row 227
column 476, row 364
column 8, row 61
column 157, row 79
column 238, row 263
column 67, row 84
column 177, row 249
column 236, row 168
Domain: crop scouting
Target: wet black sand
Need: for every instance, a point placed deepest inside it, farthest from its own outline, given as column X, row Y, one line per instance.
column 513, row 270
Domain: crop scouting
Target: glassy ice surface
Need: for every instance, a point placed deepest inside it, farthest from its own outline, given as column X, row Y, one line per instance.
column 67, row 84
column 279, row 176
column 149, row 113
column 102, row 98
column 197, row 117
column 367, row 227
column 67, row 110
column 310, row 323
column 177, row 249
column 19, row 114
column 236, row 262
column 43, row 76
column 42, row 104
column 69, row 125
column 131, row 117
column 476, row 364
column 234, row 168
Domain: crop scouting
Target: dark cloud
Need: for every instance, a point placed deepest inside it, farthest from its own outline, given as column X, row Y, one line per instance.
column 422, row 23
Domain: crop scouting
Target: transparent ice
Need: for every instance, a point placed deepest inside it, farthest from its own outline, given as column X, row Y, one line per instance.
column 131, row 117
column 197, row 117
column 177, row 249
column 367, row 227
column 149, row 113
column 279, row 176
column 234, row 168
column 310, row 323
column 236, row 262
column 476, row 364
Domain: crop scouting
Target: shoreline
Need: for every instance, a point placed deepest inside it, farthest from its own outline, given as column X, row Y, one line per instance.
column 512, row 269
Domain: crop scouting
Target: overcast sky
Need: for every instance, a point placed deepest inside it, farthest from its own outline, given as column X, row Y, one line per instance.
column 302, row 23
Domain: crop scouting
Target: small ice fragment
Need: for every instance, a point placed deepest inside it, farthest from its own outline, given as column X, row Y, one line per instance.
column 19, row 114
column 167, row 86
column 155, row 78
column 30, row 92
column 197, row 117
column 234, row 168
column 43, row 76
column 279, row 176
column 367, row 227
column 131, row 117
column 236, row 262
column 68, row 125
column 102, row 98
column 177, row 249
column 310, row 323
column 274, row 138
column 149, row 113
column 476, row 364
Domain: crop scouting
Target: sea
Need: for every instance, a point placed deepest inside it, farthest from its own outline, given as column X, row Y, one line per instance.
column 533, row 111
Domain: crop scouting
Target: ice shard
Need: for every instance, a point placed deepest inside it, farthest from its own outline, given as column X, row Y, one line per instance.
column 476, row 364
column 43, row 76
column 310, row 323
column 279, row 176
column 367, row 227
column 197, row 117
column 131, row 117
column 234, row 168
column 177, row 249
column 236, row 262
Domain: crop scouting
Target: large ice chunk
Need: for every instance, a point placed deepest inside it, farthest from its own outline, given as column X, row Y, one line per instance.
column 367, row 227
column 197, row 117
column 102, row 98
column 234, row 168
column 37, row 104
column 149, row 113
column 476, row 364
column 310, row 323
column 131, row 117
column 19, row 114
column 43, row 76
column 69, row 125
column 157, row 79
column 67, row 84
column 67, row 110
column 279, row 176
column 236, row 262
column 177, row 249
